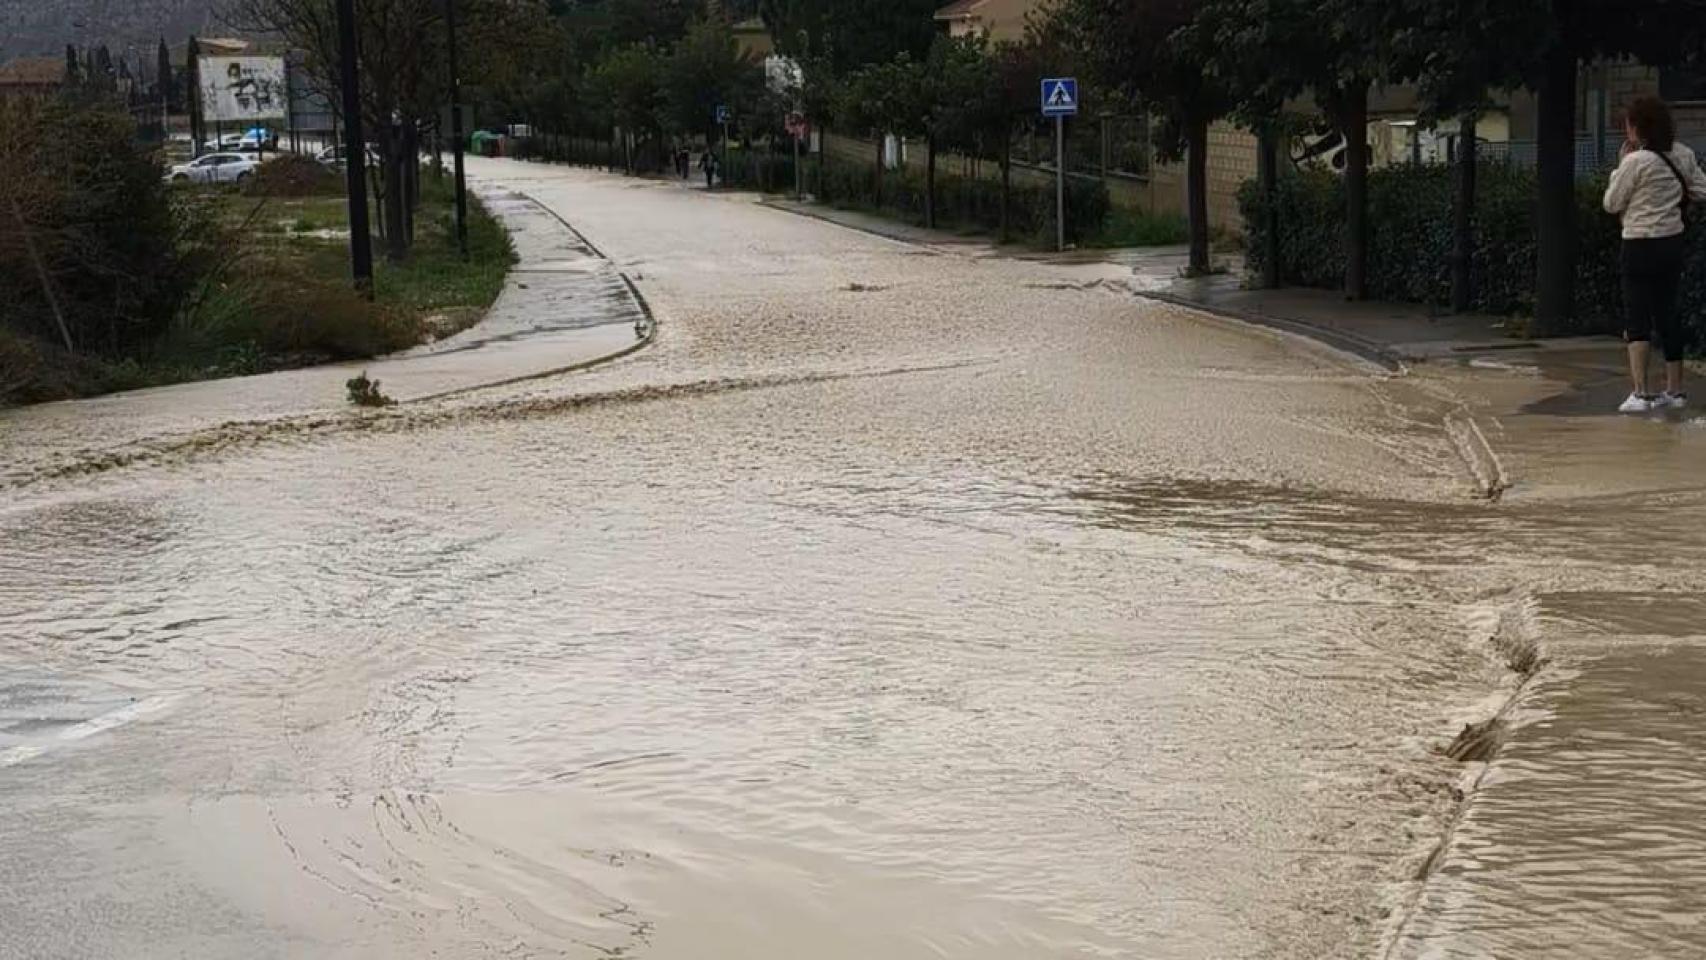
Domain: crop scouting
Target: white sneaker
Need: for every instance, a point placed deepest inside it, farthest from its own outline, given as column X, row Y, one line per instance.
column 1638, row 404
column 1673, row 401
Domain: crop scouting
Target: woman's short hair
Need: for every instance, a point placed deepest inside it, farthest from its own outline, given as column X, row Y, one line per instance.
column 1653, row 123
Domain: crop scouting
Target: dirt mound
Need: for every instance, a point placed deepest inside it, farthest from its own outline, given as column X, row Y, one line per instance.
column 294, row 176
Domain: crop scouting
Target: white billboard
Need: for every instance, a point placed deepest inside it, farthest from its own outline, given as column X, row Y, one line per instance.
column 241, row 89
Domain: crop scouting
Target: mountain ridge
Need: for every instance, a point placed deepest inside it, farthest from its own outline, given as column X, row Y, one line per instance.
column 43, row 27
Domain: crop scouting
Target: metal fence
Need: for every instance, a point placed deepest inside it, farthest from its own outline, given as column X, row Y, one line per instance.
column 1594, row 155
column 1096, row 145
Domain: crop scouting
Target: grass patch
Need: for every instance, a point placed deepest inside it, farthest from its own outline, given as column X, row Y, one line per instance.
column 291, row 303
column 285, row 299
column 1134, row 228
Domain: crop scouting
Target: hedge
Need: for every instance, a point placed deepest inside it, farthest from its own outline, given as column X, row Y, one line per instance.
column 961, row 202
column 1410, row 242
column 966, row 201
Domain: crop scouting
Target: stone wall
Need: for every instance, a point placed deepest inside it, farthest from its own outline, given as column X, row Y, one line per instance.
column 1231, row 161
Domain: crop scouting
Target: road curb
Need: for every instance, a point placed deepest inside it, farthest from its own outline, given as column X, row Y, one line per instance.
column 810, row 214
column 1347, row 343
column 645, row 323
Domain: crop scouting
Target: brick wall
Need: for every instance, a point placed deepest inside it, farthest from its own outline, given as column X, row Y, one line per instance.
column 1231, row 161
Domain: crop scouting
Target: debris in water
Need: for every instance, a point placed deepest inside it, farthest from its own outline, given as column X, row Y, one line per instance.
column 366, row 393
column 1478, row 742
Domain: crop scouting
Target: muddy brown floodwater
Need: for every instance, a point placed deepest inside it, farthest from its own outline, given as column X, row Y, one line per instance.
column 895, row 603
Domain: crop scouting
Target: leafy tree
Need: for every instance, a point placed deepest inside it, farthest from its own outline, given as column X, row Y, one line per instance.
column 1333, row 50
column 88, row 250
column 852, row 34
column 630, row 80
column 192, row 91
column 1461, row 49
column 659, row 22
column 103, row 75
column 1459, row 52
column 163, row 77
column 961, row 103
column 1154, row 54
column 1561, row 35
column 707, row 69
column 403, row 61
column 1018, row 73
column 882, row 99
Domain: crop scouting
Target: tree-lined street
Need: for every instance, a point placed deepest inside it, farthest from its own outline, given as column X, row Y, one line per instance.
column 894, row 602
column 850, row 481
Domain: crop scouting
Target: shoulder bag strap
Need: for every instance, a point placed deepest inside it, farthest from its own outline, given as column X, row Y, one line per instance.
column 1680, row 179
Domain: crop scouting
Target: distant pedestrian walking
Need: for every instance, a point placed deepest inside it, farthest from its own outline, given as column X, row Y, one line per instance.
column 1652, row 189
column 708, row 163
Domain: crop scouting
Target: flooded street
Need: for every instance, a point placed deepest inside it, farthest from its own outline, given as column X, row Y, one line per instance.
column 895, row 602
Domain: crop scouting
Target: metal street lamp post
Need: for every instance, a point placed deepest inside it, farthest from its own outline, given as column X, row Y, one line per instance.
column 456, row 133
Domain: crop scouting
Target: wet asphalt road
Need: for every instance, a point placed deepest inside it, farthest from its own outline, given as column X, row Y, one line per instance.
column 894, row 603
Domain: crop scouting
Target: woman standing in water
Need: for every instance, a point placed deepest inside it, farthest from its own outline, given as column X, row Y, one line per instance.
column 1651, row 190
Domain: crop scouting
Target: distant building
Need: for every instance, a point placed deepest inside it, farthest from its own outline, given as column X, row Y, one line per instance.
column 753, row 39
column 996, row 19
column 32, row 77
column 224, row 46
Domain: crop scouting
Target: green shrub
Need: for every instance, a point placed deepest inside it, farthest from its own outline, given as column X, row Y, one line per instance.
column 964, row 201
column 1410, row 241
column 93, row 205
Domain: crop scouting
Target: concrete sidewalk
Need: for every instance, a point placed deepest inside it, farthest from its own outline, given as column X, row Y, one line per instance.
column 564, row 306
column 1395, row 332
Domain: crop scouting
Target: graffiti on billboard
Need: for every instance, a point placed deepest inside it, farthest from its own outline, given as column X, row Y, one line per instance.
column 243, row 88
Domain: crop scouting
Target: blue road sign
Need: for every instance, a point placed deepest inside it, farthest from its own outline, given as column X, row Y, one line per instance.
column 1060, row 97
column 722, row 114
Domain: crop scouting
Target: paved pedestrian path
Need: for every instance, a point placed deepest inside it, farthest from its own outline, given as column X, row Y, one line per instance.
column 565, row 306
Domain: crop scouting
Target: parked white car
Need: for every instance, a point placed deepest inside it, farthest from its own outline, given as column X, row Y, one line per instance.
column 215, row 168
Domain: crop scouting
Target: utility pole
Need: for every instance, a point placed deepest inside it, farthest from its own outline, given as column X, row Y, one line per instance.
column 456, row 134
column 355, row 153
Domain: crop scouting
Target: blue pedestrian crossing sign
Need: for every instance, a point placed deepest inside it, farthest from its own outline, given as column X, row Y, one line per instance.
column 722, row 114
column 1060, row 97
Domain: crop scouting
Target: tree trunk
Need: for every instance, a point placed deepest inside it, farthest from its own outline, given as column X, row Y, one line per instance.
column 46, row 279
column 1555, row 292
column 396, row 213
column 411, row 178
column 877, row 195
column 1267, row 174
column 1353, row 125
column 1463, row 219
column 396, row 199
column 1006, row 186
column 930, row 180
column 822, row 153
column 1196, row 193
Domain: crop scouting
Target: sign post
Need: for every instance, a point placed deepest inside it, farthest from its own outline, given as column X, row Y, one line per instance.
column 1060, row 100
